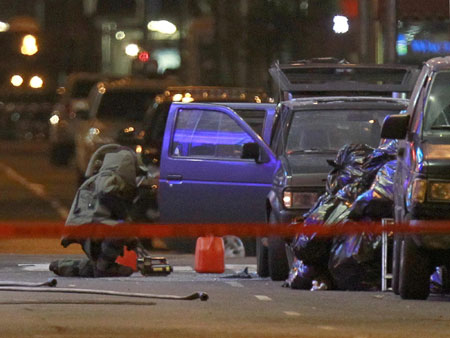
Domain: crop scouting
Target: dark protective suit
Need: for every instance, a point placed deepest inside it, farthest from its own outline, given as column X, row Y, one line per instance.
column 105, row 197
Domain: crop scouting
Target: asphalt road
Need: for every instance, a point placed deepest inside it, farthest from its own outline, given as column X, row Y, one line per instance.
column 31, row 189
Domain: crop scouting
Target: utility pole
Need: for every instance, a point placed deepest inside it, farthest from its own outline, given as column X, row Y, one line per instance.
column 364, row 30
column 391, row 32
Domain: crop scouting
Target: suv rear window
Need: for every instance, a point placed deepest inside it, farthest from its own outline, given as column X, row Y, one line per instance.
column 124, row 105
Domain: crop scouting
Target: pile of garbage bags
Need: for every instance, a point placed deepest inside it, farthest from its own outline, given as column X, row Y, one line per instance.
column 359, row 188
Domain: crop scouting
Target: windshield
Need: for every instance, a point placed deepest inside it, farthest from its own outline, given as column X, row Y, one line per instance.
column 329, row 130
column 437, row 108
column 125, row 105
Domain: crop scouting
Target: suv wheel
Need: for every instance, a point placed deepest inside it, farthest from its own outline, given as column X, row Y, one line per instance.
column 276, row 255
column 262, row 263
column 415, row 271
column 278, row 263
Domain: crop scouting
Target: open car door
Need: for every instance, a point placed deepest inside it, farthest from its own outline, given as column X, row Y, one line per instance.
column 214, row 166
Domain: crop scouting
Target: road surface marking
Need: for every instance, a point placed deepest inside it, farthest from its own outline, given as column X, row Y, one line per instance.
column 291, row 313
column 328, row 328
column 34, row 267
column 263, row 298
column 235, row 284
column 36, row 189
column 183, row 268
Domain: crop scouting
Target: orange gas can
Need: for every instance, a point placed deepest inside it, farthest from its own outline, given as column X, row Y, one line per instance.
column 210, row 255
column 129, row 258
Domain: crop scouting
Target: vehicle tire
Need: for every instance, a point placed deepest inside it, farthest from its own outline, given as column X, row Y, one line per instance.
column 277, row 259
column 415, row 271
column 276, row 255
column 396, row 251
column 262, row 263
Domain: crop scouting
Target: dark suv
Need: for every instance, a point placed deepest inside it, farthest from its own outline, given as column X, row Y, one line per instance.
column 422, row 180
column 309, row 131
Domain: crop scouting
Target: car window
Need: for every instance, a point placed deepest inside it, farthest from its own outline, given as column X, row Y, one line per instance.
column 124, row 105
column 331, row 129
column 208, row 134
column 437, row 107
column 254, row 118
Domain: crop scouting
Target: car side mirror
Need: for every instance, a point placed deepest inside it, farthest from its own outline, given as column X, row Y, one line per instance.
column 83, row 114
column 395, row 126
column 251, row 151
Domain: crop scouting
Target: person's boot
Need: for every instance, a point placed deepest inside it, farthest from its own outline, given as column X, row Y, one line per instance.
column 111, row 269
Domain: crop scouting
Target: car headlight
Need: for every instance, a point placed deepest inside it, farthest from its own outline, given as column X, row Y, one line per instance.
column 299, row 199
column 419, row 190
column 440, row 191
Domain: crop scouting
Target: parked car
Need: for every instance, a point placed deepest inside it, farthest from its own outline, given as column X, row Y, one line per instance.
column 214, row 167
column 116, row 108
column 156, row 116
column 422, row 180
column 306, row 133
column 354, row 99
column 253, row 105
column 73, row 97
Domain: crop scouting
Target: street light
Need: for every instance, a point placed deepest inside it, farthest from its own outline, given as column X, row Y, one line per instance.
column 29, row 45
column 16, row 80
column 4, row 26
column 162, row 26
column 132, row 49
column 340, row 24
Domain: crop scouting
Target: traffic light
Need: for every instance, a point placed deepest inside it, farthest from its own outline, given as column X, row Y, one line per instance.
column 144, row 56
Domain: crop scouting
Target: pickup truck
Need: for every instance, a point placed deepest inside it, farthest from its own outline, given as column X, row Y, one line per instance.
column 422, row 180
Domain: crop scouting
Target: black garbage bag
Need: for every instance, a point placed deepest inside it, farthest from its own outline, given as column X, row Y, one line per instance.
column 355, row 262
column 302, row 276
column 377, row 202
column 312, row 250
column 343, row 186
column 347, row 166
column 439, row 280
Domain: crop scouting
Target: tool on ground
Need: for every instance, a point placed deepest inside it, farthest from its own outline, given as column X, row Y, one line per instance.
column 196, row 295
column 243, row 274
column 153, row 266
column 51, row 282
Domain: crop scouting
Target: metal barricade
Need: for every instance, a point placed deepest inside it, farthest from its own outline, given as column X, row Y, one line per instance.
column 385, row 274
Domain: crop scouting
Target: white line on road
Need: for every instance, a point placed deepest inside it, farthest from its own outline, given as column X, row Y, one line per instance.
column 291, row 313
column 34, row 267
column 36, row 189
column 183, row 268
column 235, row 284
column 263, row 298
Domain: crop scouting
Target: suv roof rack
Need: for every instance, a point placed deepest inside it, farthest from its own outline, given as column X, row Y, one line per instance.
column 329, row 76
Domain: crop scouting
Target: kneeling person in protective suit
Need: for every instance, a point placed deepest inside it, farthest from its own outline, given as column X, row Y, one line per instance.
column 105, row 197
